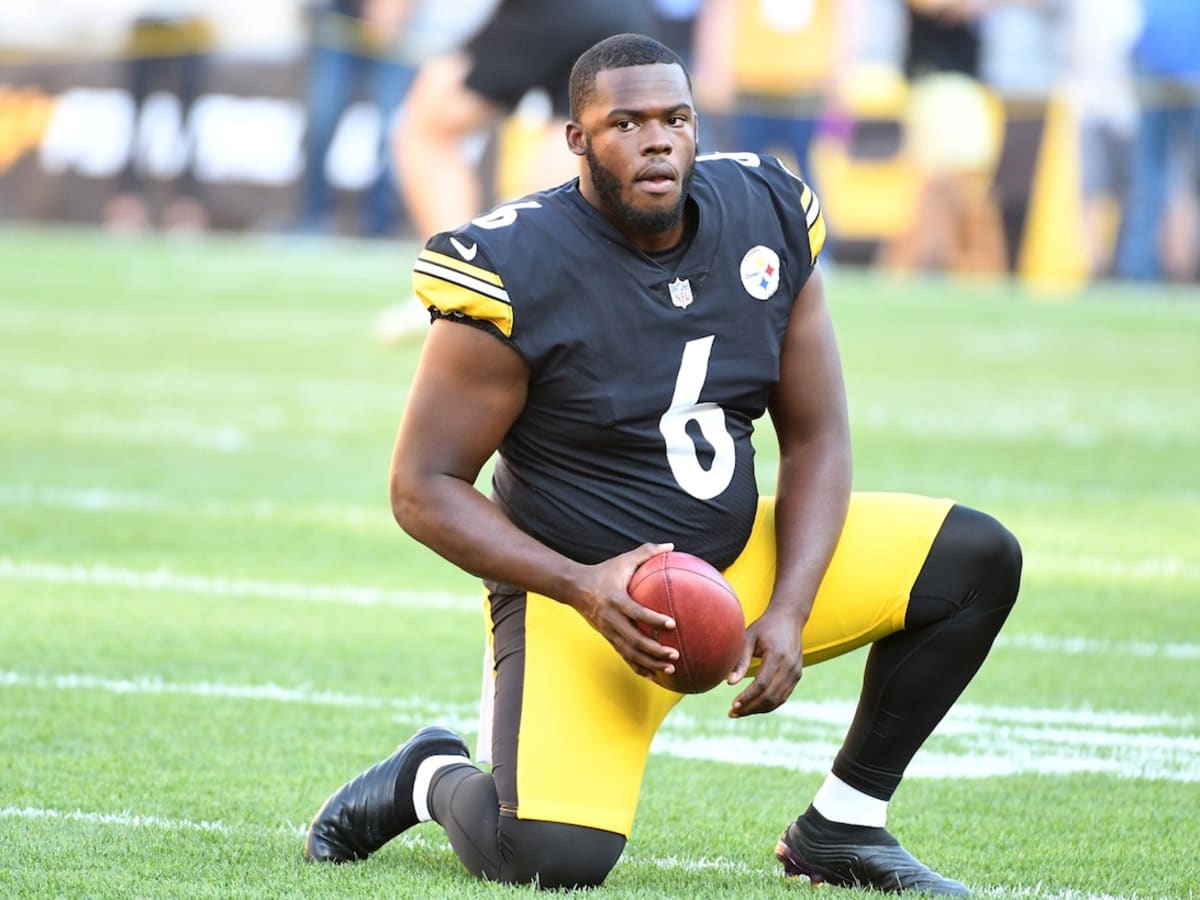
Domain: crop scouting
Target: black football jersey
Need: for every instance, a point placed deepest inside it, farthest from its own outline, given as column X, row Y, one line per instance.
column 646, row 378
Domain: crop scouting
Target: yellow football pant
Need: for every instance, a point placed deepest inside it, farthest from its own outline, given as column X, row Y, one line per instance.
column 587, row 720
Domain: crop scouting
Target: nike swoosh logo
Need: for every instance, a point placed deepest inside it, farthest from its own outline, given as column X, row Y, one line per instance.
column 467, row 253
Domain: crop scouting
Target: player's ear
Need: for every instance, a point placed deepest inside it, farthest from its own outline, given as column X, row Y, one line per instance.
column 576, row 141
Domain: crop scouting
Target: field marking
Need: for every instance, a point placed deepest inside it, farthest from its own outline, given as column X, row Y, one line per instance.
column 635, row 859
column 1017, row 421
column 105, row 500
column 171, row 384
column 164, row 579
column 408, row 707
column 1171, row 566
column 133, row 820
column 1074, row 645
column 102, row 499
column 1167, row 567
column 974, row 741
column 1101, row 568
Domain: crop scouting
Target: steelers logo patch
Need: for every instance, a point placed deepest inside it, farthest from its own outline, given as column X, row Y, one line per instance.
column 760, row 272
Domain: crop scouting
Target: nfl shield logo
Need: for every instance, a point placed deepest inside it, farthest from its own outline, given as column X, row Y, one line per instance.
column 681, row 293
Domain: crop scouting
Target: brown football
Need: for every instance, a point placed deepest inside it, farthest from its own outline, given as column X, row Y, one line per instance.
column 709, row 625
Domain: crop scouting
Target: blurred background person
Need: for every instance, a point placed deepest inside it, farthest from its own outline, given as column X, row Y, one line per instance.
column 981, row 73
column 522, row 49
column 1098, row 84
column 674, row 23
column 355, row 52
column 166, row 63
column 772, row 69
column 523, row 45
column 952, row 134
column 1166, row 148
column 1021, row 67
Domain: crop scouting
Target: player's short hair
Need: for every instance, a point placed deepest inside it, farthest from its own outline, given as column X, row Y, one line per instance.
column 617, row 52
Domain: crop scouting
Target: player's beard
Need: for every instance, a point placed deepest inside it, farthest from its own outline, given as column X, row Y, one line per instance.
column 644, row 221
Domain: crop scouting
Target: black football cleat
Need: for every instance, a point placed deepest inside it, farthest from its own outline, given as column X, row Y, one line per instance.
column 855, row 856
column 376, row 805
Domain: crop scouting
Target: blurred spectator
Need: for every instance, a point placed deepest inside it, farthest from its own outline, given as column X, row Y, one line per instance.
column 1020, row 53
column 1099, row 86
column 1021, row 64
column 523, row 45
column 943, row 36
column 355, row 52
column 774, row 69
column 953, row 134
column 166, row 62
column 674, row 23
column 1167, row 145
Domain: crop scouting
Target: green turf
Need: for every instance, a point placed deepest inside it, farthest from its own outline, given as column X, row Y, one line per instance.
column 209, row 619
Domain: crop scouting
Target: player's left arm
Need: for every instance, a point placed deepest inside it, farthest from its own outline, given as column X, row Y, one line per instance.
column 808, row 410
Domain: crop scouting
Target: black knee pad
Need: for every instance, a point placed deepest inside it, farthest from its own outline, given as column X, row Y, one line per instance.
column 974, row 562
column 991, row 548
column 555, row 855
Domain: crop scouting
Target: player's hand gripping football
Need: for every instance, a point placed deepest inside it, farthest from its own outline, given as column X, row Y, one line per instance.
column 609, row 609
column 775, row 639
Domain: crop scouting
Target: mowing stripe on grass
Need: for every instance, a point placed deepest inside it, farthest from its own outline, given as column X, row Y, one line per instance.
column 635, row 860
column 973, row 742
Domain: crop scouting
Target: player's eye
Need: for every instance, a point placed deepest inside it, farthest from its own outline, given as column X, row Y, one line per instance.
column 677, row 120
column 624, row 125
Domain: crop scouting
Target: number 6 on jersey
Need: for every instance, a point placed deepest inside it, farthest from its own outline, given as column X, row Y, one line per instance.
column 682, row 453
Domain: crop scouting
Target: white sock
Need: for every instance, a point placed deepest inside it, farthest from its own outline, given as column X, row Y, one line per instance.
column 838, row 802
column 426, row 770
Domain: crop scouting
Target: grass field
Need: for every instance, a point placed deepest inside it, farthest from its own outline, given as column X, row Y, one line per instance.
column 208, row 619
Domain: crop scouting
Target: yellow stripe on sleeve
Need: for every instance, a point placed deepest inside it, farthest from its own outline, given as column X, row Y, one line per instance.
column 816, row 237
column 814, row 220
column 455, row 299
column 441, row 259
column 457, row 287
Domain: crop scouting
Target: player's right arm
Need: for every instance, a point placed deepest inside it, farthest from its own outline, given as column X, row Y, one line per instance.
column 468, row 390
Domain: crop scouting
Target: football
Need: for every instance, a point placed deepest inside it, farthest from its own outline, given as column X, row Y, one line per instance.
column 709, row 624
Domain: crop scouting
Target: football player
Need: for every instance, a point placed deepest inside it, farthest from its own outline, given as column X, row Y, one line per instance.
column 615, row 339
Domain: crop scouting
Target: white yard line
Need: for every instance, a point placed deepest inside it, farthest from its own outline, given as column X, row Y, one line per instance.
column 130, row 820
column 1155, row 568
column 973, row 742
column 463, row 716
column 173, row 383
column 166, row 580
column 1074, row 645
column 107, row 500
